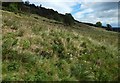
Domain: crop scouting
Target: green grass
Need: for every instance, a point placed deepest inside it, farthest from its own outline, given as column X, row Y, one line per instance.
column 46, row 50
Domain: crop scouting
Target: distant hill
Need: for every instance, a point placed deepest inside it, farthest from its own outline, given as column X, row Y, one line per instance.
column 117, row 29
column 26, row 7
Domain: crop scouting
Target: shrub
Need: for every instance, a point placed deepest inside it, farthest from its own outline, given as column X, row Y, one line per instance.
column 13, row 7
column 109, row 27
column 57, row 18
column 68, row 19
column 98, row 24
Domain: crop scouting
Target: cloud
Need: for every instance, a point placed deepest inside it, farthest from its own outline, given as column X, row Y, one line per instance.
column 106, row 12
column 62, row 6
column 91, row 11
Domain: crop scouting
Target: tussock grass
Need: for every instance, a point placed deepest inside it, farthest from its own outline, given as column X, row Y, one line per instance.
column 43, row 49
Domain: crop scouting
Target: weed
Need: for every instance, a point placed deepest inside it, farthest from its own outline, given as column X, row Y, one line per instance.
column 56, row 52
column 9, row 54
column 25, row 43
column 41, row 75
column 8, row 43
column 13, row 66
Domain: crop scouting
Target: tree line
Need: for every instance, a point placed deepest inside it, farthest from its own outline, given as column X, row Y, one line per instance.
column 108, row 26
column 27, row 8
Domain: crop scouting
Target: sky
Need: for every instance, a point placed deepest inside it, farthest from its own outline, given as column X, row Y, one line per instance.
column 91, row 11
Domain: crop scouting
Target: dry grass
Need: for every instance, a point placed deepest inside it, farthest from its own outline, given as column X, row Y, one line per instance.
column 44, row 50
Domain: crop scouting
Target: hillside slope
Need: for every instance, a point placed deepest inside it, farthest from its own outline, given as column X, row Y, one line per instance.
column 35, row 48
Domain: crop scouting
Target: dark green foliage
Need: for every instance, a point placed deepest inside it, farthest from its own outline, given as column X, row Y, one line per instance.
column 109, row 27
column 98, row 24
column 41, row 75
column 25, row 44
column 36, row 17
column 7, row 44
column 13, row 7
column 28, row 8
column 9, row 54
column 68, row 39
column 57, row 17
column 15, row 42
column 83, row 45
column 58, row 48
column 27, row 3
column 68, row 19
column 13, row 66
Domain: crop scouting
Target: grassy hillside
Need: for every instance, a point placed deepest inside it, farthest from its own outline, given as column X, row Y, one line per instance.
column 35, row 48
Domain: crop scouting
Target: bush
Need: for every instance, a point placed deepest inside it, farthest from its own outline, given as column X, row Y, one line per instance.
column 68, row 19
column 109, row 27
column 98, row 24
column 13, row 7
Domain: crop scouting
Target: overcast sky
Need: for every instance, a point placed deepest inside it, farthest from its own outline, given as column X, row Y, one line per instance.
column 90, row 11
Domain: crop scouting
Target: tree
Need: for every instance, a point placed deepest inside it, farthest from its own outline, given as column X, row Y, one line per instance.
column 68, row 19
column 27, row 3
column 40, row 5
column 109, row 27
column 98, row 24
